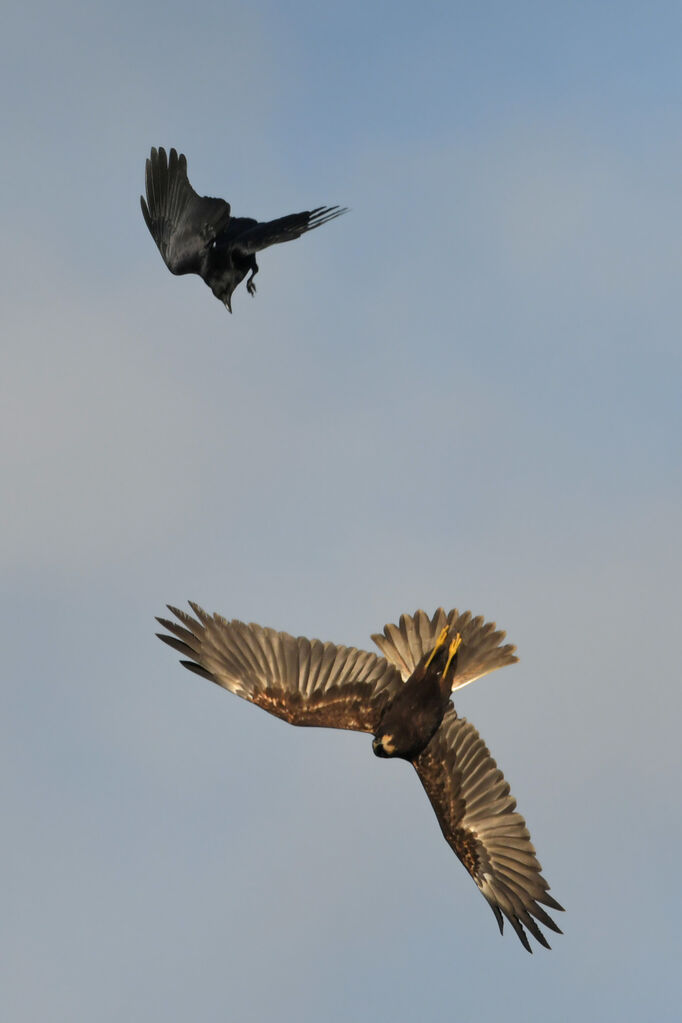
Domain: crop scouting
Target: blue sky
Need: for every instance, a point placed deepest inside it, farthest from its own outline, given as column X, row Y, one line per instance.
column 466, row 392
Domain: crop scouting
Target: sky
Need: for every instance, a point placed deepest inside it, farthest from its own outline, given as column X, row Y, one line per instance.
column 466, row 393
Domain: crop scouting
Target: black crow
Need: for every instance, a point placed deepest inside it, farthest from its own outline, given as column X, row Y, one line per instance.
column 196, row 234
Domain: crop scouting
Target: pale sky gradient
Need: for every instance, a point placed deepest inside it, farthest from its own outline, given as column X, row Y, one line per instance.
column 465, row 392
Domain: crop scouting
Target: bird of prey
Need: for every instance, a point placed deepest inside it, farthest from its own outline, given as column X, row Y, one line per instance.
column 403, row 699
column 197, row 235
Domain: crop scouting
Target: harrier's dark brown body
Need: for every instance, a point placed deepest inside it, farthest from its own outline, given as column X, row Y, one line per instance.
column 414, row 715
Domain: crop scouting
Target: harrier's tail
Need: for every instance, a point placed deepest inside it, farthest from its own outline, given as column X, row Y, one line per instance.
column 481, row 651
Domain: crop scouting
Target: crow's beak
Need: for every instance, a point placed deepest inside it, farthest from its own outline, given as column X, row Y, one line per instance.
column 228, row 304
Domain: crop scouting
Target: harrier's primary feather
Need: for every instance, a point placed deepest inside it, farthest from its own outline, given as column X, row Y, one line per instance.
column 404, row 700
column 197, row 234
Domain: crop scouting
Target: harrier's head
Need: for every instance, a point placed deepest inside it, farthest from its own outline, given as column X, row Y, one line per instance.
column 383, row 746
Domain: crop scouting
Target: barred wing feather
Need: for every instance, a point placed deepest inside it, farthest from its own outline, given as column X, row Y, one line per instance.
column 478, row 818
column 303, row 681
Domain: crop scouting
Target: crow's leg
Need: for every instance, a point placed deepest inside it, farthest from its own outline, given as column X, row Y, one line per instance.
column 250, row 286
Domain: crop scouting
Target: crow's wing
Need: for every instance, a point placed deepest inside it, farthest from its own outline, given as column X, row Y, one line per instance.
column 481, row 651
column 477, row 817
column 181, row 222
column 303, row 681
column 284, row 229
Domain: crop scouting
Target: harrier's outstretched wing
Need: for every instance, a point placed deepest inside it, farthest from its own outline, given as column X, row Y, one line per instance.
column 181, row 222
column 284, row 229
column 481, row 651
column 477, row 817
column 303, row 681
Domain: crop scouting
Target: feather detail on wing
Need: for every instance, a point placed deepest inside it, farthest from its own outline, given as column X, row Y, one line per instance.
column 285, row 229
column 481, row 651
column 303, row 681
column 477, row 816
column 181, row 222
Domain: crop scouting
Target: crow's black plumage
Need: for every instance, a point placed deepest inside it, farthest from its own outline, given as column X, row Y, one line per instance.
column 403, row 699
column 197, row 235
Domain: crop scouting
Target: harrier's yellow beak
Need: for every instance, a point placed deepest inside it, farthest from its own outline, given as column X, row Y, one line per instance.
column 441, row 641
